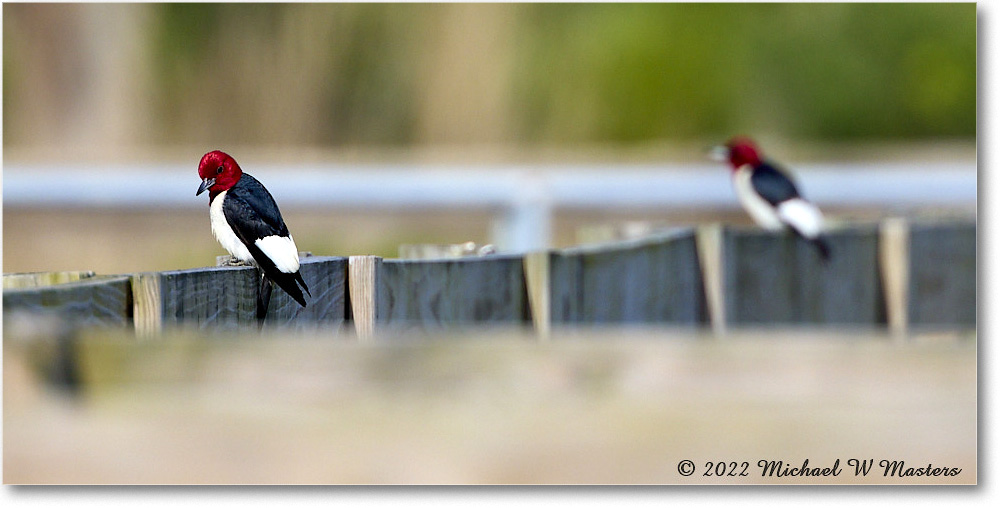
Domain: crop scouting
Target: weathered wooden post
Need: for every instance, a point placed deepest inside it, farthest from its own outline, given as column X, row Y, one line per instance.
column 363, row 283
column 147, row 306
column 709, row 243
column 894, row 265
column 538, row 285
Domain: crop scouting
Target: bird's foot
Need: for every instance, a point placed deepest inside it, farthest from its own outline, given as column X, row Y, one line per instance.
column 228, row 260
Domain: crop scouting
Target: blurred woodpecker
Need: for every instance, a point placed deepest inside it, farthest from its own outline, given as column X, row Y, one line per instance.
column 246, row 221
column 769, row 196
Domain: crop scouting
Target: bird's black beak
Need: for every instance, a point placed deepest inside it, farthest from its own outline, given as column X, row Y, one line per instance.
column 718, row 153
column 205, row 184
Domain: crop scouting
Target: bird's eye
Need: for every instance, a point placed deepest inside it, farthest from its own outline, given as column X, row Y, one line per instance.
column 218, row 170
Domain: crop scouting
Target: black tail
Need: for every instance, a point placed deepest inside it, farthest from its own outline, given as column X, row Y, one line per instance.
column 290, row 283
column 822, row 247
column 263, row 299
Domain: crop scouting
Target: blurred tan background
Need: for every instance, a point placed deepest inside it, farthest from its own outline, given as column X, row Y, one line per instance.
column 122, row 86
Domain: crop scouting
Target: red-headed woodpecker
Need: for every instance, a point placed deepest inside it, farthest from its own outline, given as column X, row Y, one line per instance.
column 769, row 195
column 246, row 221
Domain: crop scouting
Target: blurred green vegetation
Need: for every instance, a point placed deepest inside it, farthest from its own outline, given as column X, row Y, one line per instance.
column 805, row 70
column 404, row 74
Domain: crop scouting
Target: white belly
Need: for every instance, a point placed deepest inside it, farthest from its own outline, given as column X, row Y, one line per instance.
column 759, row 210
column 224, row 233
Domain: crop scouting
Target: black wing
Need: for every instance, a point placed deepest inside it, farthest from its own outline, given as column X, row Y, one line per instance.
column 253, row 214
column 248, row 198
column 772, row 184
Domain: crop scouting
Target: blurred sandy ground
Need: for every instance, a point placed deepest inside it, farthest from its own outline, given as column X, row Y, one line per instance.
column 598, row 406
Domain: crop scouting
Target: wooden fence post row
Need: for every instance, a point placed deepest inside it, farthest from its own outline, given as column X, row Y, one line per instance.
column 898, row 275
column 709, row 276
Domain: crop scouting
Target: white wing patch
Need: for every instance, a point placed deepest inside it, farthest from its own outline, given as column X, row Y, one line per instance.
column 282, row 251
column 760, row 210
column 803, row 216
column 224, row 232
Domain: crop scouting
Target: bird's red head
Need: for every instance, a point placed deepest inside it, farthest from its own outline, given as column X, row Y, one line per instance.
column 218, row 171
column 740, row 151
